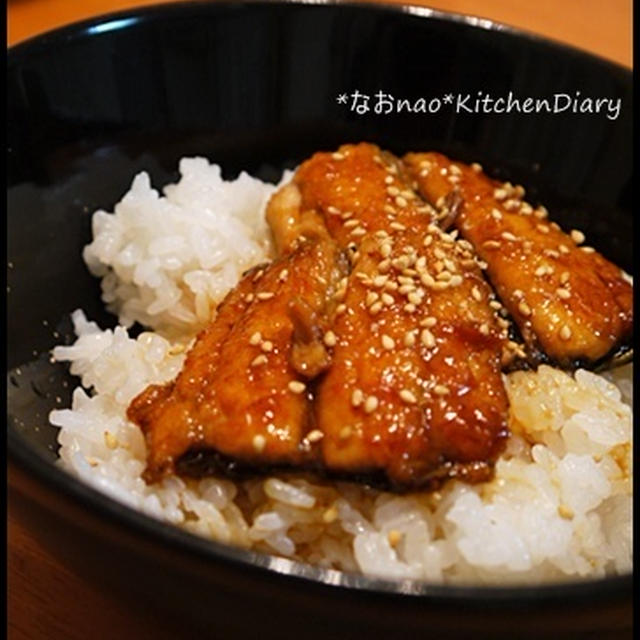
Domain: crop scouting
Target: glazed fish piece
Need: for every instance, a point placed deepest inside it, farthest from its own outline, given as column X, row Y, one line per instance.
column 571, row 305
column 242, row 397
column 414, row 393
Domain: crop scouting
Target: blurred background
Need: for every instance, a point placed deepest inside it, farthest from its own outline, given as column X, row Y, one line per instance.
column 600, row 27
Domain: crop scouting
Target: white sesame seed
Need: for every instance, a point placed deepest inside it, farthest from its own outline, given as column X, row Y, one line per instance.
column 484, row 329
column 409, row 307
column 358, row 231
column 330, row 339
column 371, row 297
column 524, row 308
column 427, row 338
column 475, row 292
column 265, row 295
column 387, row 299
column 401, row 201
column 388, row 342
column 370, row 404
column 393, row 191
column 562, row 248
column 255, row 338
column 345, row 432
column 491, row 244
column 565, row 332
column 315, row 435
column 349, row 224
column 496, row 214
column 337, row 156
column 500, row 194
column 375, row 308
column 295, row 386
column 564, row 277
column 385, row 250
column 258, row 360
column 455, row 280
column 267, row 346
column 588, row 249
column 357, row 397
column 408, row 397
column 506, row 235
column 441, row 390
column 476, row 166
column 565, row 294
column 259, row 442
column 397, row 226
column 409, row 339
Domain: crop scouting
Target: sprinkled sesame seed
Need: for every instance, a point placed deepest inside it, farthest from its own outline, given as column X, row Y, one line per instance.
column 357, row 397
column 409, row 339
column 380, row 280
column 564, row 277
column 494, row 304
column 387, row 299
column 524, row 308
column 259, row 442
column 540, row 271
column 484, row 329
column 389, row 180
column 408, row 397
column 441, row 390
column 295, row 386
column 562, row 248
column 427, row 338
column 265, row 295
column 565, row 332
column 409, row 307
column 358, row 231
column 565, row 294
column 267, row 346
column 346, row 215
column 315, row 435
column 388, row 342
column 375, row 308
column 334, row 210
column 393, row 191
column 337, row 156
column 349, row 224
column 500, row 194
column 477, row 295
column 456, row 280
column 496, row 214
column 526, row 209
column 506, row 235
column 371, row 297
column 397, row 226
column 255, row 338
column 345, row 432
column 415, row 297
column 518, row 293
column 258, row 360
column 341, row 308
column 588, row 249
column 541, row 212
column 577, row 236
column 370, row 404
column 385, row 250
column 491, row 244
column 401, row 201
column 330, row 339
column 249, row 297
column 476, row 166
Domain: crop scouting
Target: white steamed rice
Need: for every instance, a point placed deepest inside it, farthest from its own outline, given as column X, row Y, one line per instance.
column 559, row 507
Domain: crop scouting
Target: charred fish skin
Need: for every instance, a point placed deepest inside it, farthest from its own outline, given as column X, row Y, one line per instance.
column 414, row 390
column 573, row 307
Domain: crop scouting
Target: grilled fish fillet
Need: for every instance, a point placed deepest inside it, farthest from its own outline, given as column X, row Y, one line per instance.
column 414, row 393
column 571, row 304
column 242, row 396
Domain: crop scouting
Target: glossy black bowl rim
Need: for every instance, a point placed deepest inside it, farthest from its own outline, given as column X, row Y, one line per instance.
column 99, row 505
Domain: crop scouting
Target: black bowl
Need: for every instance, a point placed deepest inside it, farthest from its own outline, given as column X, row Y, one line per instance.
column 258, row 86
